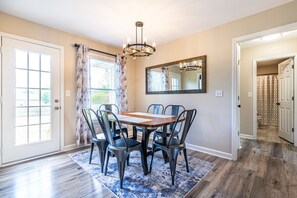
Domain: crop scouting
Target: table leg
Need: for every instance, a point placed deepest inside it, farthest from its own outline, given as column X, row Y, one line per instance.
column 144, row 144
column 134, row 132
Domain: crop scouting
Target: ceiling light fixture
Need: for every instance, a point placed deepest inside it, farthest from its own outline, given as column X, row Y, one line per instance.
column 190, row 66
column 271, row 37
column 140, row 48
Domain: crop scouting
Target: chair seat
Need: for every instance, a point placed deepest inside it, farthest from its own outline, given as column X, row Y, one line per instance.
column 174, row 142
column 130, row 142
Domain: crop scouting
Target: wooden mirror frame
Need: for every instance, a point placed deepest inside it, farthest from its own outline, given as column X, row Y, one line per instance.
column 203, row 80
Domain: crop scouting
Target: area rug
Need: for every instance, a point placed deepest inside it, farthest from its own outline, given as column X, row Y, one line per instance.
column 155, row 184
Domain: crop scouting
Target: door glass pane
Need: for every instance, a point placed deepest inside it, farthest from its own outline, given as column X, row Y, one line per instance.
column 21, row 135
column 33, row 79
column 45, row 80
column 45, row 97
column 45, row 63
column 34, row 133
column 21, row 117
column 21, row 78
column 21, row 59
column 45, row 114
column 34, row 113
column 46, row 132
column 34, row 61
column 20, row 97
column 34, row 97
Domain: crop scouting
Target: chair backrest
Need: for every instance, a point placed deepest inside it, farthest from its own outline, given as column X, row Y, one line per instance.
column 173, row 110
column 186, row 119
column 110, row 107
column 92, row 121
column 107, row 116
column 155, row 109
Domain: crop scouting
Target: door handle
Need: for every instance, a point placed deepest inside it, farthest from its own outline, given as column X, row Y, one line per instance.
column 278, row 103
column 238, row 106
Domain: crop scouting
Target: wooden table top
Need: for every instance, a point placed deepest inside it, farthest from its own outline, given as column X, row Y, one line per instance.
column 154, row 121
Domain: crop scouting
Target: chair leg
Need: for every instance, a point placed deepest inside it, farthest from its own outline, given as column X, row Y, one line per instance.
column 186, row 159
column 106, row 161
column 101, row 156
column 121, row 161
column 128, row 157
column 92, row 147
column 153, row 152
column 172, row 162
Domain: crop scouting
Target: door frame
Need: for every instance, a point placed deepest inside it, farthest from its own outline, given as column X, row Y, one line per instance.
column 234, row 117
column 38, row 42
column 279, row 56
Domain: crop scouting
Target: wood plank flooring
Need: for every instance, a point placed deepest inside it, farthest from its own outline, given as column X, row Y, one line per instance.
column 263, row 169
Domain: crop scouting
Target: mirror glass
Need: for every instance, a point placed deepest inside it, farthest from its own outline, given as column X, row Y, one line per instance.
column 183, row 76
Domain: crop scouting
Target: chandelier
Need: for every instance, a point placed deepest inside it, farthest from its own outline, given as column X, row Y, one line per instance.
column 140, row 48
column 190, row 66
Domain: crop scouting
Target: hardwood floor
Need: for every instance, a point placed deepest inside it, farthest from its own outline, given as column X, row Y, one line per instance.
column 264, row 169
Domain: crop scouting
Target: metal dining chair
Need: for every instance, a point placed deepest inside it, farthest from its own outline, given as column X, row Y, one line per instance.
column 115, row 109
column 121, row 148
column 173, row 145
column 98, row 138
column 172, row 110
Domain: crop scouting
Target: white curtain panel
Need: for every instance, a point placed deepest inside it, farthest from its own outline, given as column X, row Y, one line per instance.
column 267, row 97
column 165, row 78
column 121, row 83
column 83, row 135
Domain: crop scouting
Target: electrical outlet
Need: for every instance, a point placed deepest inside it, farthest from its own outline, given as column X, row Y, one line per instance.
column 219, row 93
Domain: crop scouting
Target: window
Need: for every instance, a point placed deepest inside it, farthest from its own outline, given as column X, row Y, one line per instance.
column 101, row 81
column 174, row 83
column 158, row 78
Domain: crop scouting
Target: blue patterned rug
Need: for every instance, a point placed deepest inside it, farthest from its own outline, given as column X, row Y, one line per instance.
column 155, row 184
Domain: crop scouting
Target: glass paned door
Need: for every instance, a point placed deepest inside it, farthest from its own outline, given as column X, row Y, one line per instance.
column 31, row 95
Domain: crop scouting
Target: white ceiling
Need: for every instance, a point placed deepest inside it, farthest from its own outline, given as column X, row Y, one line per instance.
column 113, row 21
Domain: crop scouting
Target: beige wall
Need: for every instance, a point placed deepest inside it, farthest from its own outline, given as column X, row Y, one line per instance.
column 212, row 127
column 17, row 26
column 247, row 57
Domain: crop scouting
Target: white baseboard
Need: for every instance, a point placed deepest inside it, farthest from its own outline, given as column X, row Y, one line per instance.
column 69, row 147
column 210, row 151
column 246, row 136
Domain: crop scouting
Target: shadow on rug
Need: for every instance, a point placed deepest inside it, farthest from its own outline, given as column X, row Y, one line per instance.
column 155, row 184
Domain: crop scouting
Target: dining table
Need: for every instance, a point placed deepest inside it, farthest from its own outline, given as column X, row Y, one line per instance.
column 146, row 121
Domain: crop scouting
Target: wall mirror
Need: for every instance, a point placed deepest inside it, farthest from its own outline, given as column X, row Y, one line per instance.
column 183, row 76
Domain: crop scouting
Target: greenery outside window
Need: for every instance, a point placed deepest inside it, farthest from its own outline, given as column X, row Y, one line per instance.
column 101, row 81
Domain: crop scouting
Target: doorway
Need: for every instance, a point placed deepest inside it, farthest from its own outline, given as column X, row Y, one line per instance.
column 249, row 94
column 31, row 98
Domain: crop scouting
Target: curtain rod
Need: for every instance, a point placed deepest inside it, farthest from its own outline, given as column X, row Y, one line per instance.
column 77, row 45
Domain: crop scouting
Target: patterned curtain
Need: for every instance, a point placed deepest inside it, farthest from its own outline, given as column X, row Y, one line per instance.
column 267, row 97
column 121, row 83
column 149, row 80
column 165, row 78
column 83, row 136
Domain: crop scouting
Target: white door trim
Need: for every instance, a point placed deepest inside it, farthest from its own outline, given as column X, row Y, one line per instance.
column 234, row 135
column 280, row 56
column 59, row 47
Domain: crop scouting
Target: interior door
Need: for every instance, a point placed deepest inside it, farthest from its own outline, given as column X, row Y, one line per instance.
column 286, row 119
column 31, row 99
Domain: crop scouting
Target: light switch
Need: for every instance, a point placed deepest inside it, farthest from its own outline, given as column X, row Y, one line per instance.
column 219, row 93
column 250, row 94
column 67, row 93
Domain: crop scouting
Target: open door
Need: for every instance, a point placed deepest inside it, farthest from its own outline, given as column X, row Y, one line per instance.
column 286, row 100
column 238, row 92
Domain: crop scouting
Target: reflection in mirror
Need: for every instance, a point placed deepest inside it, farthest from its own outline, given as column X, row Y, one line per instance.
column 183, row 76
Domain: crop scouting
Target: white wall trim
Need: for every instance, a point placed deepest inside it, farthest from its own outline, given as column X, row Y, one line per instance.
column 234, row 136
column 210, row 151
column 246, row 136
column 69, row 147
